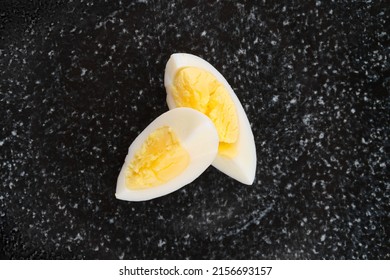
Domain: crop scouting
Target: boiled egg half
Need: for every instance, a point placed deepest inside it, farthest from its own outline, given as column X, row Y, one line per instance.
column 170, row 153
column 192, row 82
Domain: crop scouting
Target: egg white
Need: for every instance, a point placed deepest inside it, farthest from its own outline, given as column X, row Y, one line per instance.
column 242, row 166
column 196, row 134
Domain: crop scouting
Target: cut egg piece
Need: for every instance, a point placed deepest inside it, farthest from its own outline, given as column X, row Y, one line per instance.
column 170, row 153
column 192, row 82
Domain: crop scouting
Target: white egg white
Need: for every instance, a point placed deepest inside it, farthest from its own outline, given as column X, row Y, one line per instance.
column 241, row 167
column 197, row 135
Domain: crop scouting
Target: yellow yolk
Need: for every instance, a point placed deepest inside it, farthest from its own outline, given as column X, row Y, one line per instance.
column 160, row 159
column 200, row 90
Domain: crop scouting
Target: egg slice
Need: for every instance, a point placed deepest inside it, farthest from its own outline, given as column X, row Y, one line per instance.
column 170, row 153
column 192, row 82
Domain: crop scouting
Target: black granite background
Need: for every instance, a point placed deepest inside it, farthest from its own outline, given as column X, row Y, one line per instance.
column 80, row 80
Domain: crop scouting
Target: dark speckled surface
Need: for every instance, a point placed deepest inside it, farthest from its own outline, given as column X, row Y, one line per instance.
column 79, row 81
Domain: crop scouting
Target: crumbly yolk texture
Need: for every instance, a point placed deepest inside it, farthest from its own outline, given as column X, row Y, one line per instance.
column 200, row 90
column 160, row 159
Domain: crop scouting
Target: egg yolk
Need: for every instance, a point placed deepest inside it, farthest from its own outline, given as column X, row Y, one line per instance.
column 200, row 90
column 160, row 159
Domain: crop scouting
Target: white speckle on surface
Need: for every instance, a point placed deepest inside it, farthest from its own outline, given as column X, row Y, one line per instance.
column 306, row 119
column 83, row 71
column 78, row 237
column 161, row 243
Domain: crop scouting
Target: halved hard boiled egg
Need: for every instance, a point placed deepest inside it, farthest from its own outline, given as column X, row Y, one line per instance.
column 192, row 82
column 170, row 153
